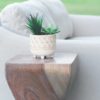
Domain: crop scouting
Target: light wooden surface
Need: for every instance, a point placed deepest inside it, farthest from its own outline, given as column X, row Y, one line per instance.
column 31, row 79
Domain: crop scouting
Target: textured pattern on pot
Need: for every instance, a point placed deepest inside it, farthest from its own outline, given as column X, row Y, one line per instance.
column 42, row 45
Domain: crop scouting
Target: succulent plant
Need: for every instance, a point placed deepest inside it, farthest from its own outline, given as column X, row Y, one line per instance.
column 35, row 25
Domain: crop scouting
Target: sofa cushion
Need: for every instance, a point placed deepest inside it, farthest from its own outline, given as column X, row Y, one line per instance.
column 86, row 25
column 87, row 81
column 13, row 16
column 10, row 45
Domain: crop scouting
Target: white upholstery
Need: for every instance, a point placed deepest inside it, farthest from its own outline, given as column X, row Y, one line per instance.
column 87, row 82
column 0, row 19
column 86, row 25
column 10, row 45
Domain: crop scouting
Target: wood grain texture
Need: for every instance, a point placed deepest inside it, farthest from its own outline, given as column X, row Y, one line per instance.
column 31, row 79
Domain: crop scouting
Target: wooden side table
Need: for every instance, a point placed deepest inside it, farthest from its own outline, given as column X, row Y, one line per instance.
column 31, row 79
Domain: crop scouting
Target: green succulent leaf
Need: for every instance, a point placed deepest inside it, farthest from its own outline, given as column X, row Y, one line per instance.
column 50, row 30
column 35, row 25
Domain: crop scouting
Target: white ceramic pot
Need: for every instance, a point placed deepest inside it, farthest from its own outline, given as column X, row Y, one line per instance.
column 43, row 45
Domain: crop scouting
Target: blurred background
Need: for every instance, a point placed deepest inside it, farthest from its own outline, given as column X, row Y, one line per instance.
column 84, row 7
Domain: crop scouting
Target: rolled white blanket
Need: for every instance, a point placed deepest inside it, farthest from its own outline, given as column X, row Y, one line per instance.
column 13, row 17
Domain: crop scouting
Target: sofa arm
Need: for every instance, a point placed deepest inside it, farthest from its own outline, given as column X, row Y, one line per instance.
column 85, row 25
column 87, row 81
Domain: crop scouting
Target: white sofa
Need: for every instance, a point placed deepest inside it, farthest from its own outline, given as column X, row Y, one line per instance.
column 86, row 43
